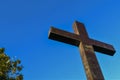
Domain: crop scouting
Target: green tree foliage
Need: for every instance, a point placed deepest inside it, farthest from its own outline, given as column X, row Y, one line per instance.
column 10, row 69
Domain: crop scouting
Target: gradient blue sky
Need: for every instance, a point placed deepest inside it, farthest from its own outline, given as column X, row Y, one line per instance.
column 24, row 26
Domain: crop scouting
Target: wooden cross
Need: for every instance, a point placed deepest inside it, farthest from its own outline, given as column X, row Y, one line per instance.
column 87, row 47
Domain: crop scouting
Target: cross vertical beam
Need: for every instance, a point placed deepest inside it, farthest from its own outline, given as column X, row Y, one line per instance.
column 87, row 47
column 90, row 62
column 91, row 66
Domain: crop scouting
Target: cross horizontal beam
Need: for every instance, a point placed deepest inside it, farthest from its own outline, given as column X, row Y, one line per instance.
column 74, row 39
column 103, row 47
column 64, row 36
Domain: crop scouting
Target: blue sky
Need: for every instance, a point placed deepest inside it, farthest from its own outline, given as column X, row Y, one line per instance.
column 24, row 26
